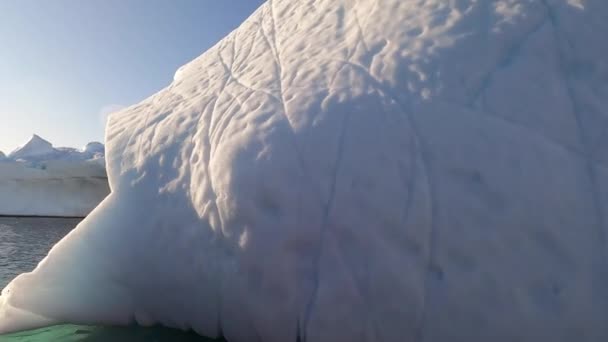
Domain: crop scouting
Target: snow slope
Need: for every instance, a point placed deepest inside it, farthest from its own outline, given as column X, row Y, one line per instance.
column 39, row 180
column 357, row 171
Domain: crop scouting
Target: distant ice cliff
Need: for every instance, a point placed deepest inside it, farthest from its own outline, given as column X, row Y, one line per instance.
column 38, row 179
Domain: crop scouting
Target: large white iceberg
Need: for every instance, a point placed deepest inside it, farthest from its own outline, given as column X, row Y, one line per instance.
column 357, row 171
column 37, row 179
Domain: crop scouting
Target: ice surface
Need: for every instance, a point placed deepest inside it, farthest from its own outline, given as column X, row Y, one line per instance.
column 39, row 180
column 357, row 171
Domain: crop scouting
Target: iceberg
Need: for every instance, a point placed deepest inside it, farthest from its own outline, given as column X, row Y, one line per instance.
column 356, row 171
column 37, row 179
column 94, row 148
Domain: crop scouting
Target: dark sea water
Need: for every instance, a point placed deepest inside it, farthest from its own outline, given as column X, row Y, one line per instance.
column 23, row 243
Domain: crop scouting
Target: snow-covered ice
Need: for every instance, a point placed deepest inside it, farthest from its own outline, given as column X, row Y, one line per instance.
column 94, row 148
column 357, row 171
column 37, row 179
column 39, row 150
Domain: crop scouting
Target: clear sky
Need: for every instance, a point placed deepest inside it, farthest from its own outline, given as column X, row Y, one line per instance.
column 64, row 63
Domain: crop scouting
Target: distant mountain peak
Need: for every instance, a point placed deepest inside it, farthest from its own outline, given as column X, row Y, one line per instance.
column 36, row 146
column 38, row 141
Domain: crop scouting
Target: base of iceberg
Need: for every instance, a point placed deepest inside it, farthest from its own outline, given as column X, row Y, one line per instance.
column 82, row 333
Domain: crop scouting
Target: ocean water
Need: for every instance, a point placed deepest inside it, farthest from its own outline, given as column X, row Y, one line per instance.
column 23, row 243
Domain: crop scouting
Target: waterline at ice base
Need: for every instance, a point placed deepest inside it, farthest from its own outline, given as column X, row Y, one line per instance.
column 356, row 171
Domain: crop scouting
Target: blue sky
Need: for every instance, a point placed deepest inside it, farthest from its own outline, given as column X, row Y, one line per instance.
column 63, row 63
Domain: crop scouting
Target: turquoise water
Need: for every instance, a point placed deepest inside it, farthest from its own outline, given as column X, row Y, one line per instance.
column 23, row 243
